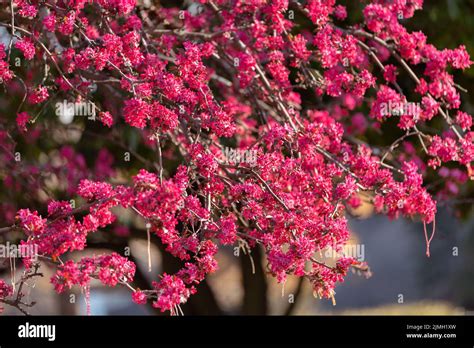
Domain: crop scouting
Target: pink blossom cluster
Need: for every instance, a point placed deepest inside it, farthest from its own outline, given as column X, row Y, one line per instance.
column 5, row 73
column 109, row 269
column 176, row 88
column 6, row 290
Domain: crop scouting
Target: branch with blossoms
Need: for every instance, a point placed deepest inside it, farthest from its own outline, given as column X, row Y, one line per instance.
column 176, row 88
column 12, row 295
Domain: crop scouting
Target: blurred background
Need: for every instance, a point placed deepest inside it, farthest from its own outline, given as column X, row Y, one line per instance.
column 404, row 280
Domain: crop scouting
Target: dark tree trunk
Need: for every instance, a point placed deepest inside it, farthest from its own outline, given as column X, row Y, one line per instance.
column 255, row 285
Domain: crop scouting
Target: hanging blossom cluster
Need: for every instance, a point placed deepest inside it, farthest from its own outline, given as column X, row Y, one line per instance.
column 191, row 81
column 6, row 290
column 109, row 269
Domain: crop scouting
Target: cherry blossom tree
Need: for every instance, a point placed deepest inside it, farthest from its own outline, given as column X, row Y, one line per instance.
column 243, row 123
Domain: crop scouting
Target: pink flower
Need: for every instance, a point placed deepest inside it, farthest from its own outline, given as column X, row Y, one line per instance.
column 340, row 12
column 136, row 112
column 429, row 108
column 446, row 149
column 163, row 118
column 464, row 120
column 109, row 269
column 27, row 10
column 246, row 68
column 39, row 95
column 5, row 73
column 390, row 73
column 387, row 104
column 22, row 120
column 49, row 22
column 66, row 24
column 5, row 289
column 26, row 46
column 299, row 47
column 106, row 118
column 139, row 297
column 114, row 269
column 346, row 189
column 228, row 232
column 459, row 58
column 120, row 6
column 30, row 222
column 94, row 190
column 171, row 291
column 59, row 208
column 319, row 10
column 69, row 275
